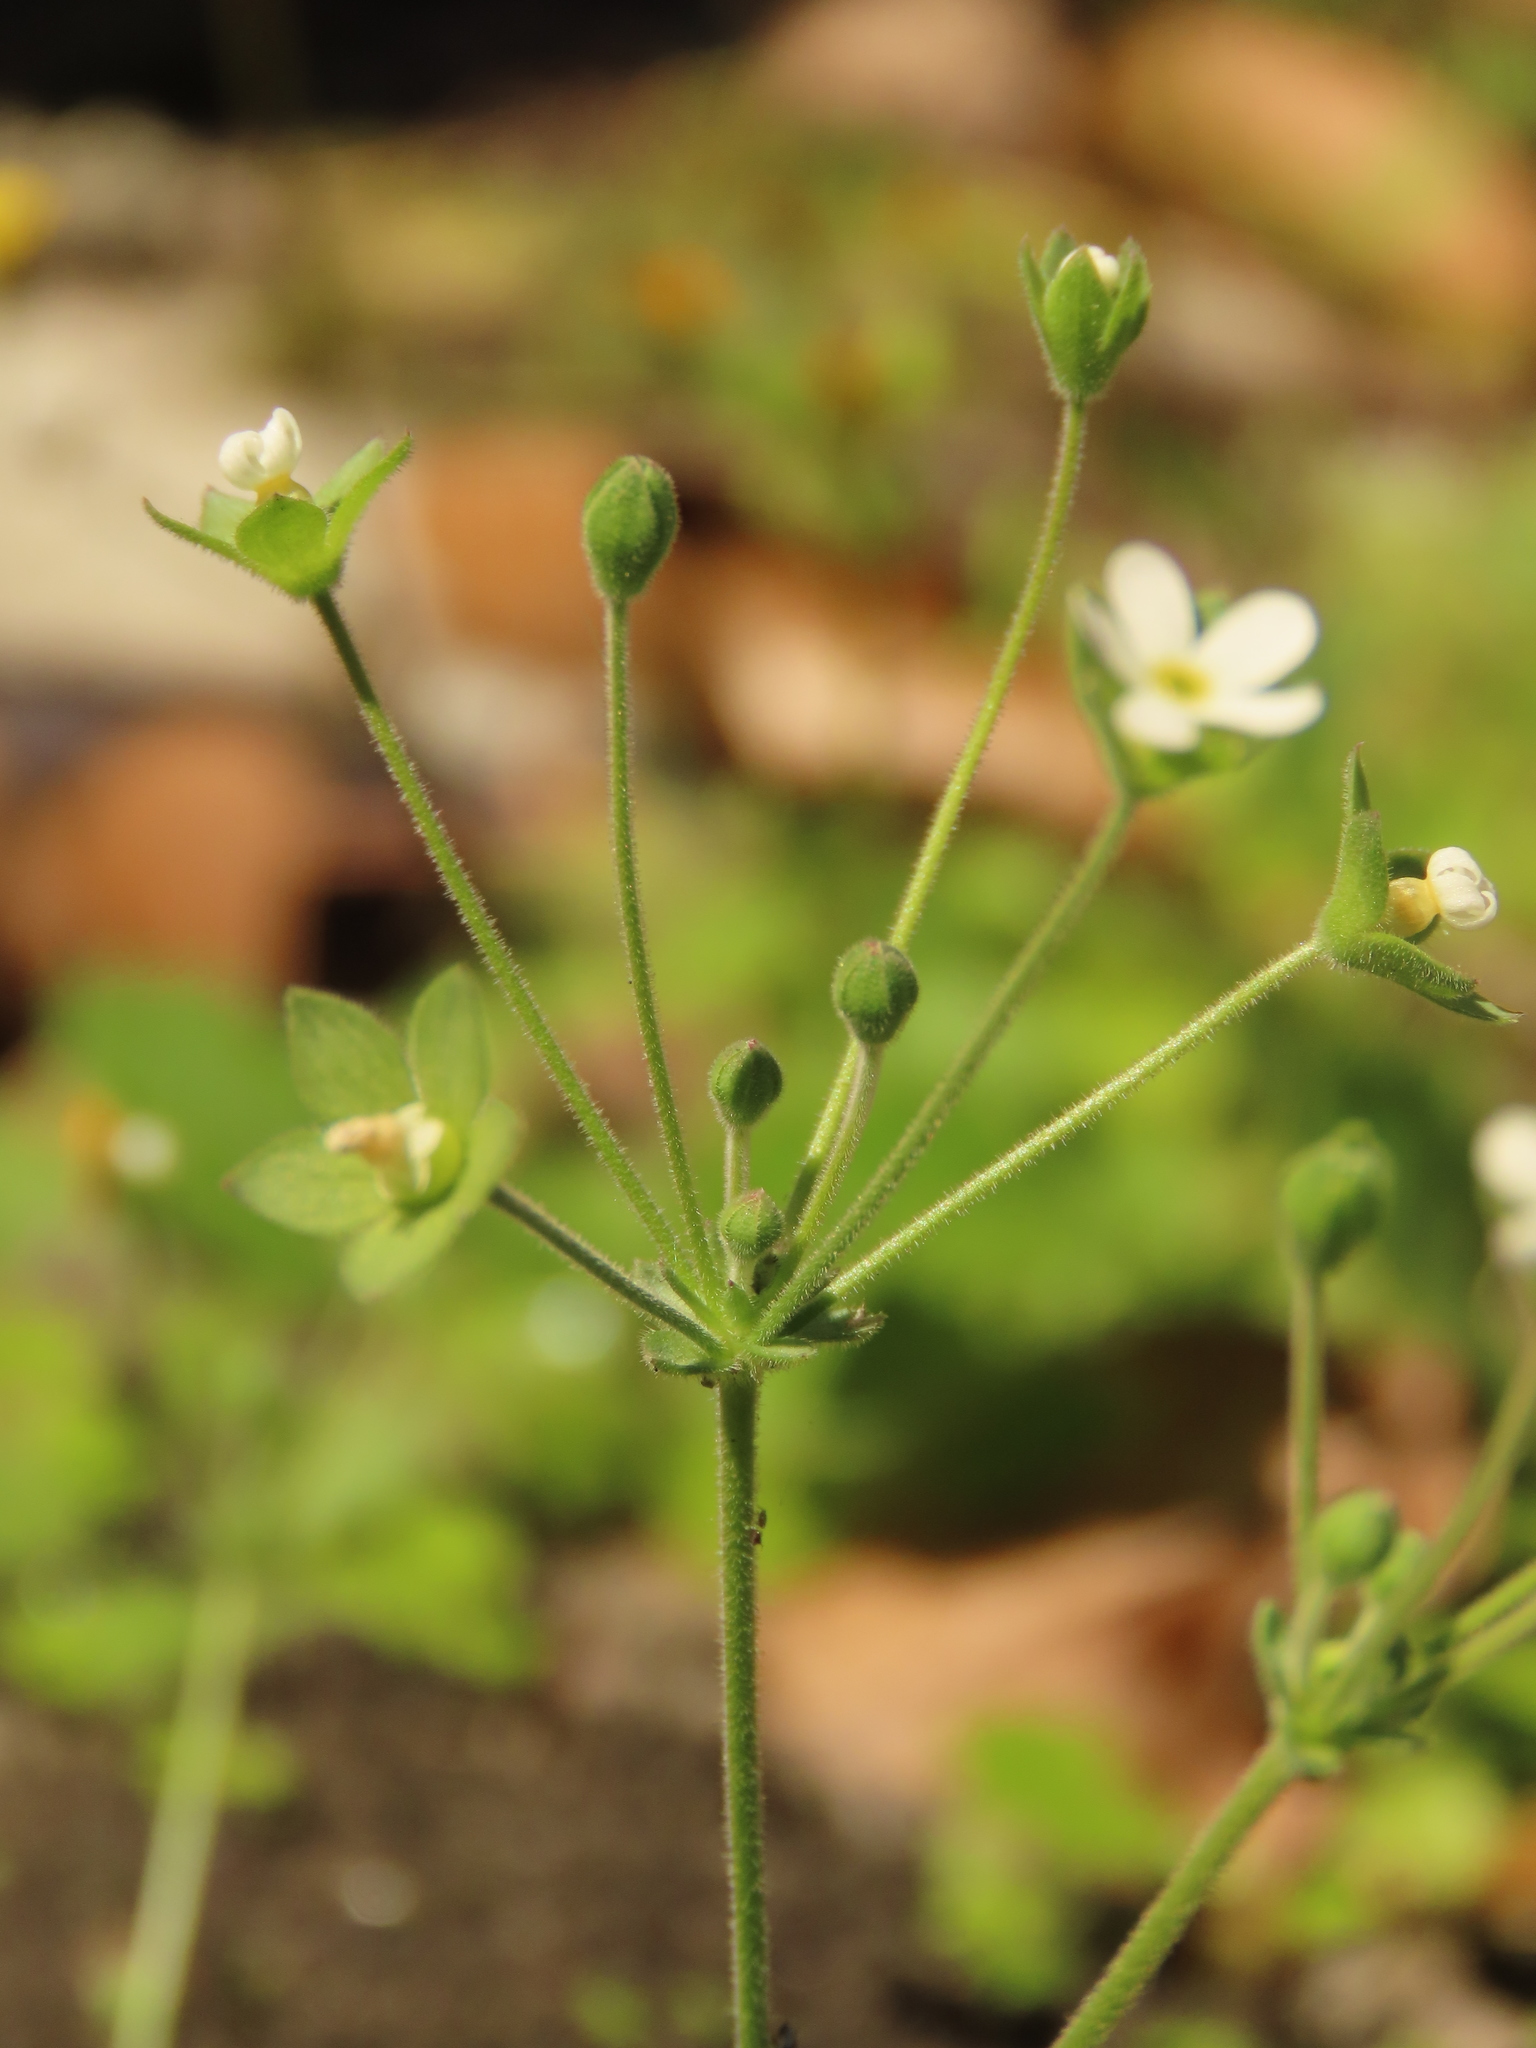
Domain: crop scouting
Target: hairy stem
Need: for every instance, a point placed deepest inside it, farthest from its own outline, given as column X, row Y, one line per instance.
column 701, row 1241
column 1056, row 1132
column 1498, row 1601
column 186, row 1814
column 866, row 1073
column 1150, row 1941
column 493, row 948
column 739, row 1538
column 1473, row 1651
column 946, row 812
column 561, row 1238
column 1070, row 902
column 1305, row 1419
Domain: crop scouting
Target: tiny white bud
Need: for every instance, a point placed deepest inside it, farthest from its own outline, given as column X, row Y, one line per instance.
column 1464, row 896
column 240, row 459
column 1106, row 265
column 1411, row 906
column 262, row 460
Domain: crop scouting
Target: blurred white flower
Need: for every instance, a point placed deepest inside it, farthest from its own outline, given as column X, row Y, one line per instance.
column 1179, row 679
column 1454, row 889
column 143, row 1150
column 399, row 1144
column 262, row 460
column 1504, row 1160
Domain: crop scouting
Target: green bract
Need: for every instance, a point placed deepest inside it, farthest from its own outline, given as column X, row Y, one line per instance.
column 1334, row 1194
column 347, row 1065
column 1085, row 322
column 1349, row 925
column 297, row 544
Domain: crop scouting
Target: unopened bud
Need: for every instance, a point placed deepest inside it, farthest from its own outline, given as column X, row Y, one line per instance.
column 1354, row 1534
column 744, row 1083
column 1448, row 885
column 628, row 526
column 873, row 989
column 1335, row 1194
column 752, row 1225
column 1087, row 306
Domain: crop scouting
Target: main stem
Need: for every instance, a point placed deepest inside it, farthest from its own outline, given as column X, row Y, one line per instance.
column 1305, row 1420
column 186, row 1814
column 494, row 950
column 622, row 820
column 739, row 1537
column 1026, row 613
column 1153, row 1937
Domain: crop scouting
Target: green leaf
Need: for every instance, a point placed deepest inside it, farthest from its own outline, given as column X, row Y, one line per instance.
column 355, row 500
column 285, row 541
column 450, row 1049
column 198, row 539
column 336, row 486
column 112, row 1644
column 1358, row 899
column 222, row 515
column 294, row 1181
column 404, row 1243
column 670, row 1351
column 70, row 1458
column 1399, row 960
column 345, row 1062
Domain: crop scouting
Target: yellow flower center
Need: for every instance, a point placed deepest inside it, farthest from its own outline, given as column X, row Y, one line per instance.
column 1181, row 679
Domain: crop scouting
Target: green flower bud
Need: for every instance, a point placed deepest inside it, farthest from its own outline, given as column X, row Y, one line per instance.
column 1087, row 306
column 744, row 1083
column 1353, row 1535
column 628, row 526
column 1334, row 1195
column 873, row 989
column 752, row 1225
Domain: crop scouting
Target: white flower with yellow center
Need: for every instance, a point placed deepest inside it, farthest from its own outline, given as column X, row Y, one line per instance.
column 1180, row 678
column 1453, row 888
column 262, row 459
column 399, row 1144
column 1504, row 1160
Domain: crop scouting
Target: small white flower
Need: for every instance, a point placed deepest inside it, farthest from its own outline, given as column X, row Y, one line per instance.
column 143, row 1150
column 1179, row 679
column 399, row 1144
column 1504, row 1160
column 1106, row 265
column 262, row 460
column 1454, row 889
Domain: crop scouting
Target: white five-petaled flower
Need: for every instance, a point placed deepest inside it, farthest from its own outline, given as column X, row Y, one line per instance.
column 1504, row 1160
column 262, row 459
column 399, row 1144
column 1179, row 678
column 1454, row 889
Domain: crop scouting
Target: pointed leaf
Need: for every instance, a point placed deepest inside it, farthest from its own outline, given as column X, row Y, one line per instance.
column 450, row 1048
column 223, row 515
column 336, row 486
column 284, row 540
column 295, row 1182
column 1394, row 959
column 670, row 1351
column 1358, row 899
column 345, row 1062
column 356, row 499
column 198, row 539
column 405, row 1242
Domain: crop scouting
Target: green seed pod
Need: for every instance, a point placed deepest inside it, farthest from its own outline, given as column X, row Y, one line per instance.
column 752, row 1225
column 873, row 989
column 1354, row 1534
column 744, row 1083
column 628, row 526
column 1334, row 1195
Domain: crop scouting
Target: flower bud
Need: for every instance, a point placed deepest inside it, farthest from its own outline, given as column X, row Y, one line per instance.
column 1087, row 306
column 415, row 1157
column 1449, row 885
column 262, row 459
column 628, row 527
column 1334, row 1195
column 873, row 989
column 752, row 1225
column 1354, row 1534
column 744, row 1083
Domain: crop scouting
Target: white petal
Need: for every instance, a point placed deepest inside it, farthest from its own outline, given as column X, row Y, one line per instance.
column 1258, row 640
column 1513, row 1238
column 1153, row 603
column 281, row 442
column 1101, row 629
column 1107, row 266
column 1504, row 1153
column 241, row 459
column 1153, row 720
column 1463, row 893
column 1270, row 715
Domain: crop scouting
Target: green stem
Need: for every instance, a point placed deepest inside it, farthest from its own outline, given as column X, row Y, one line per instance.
column 833, row 1113
column 654, row 1307
column 186, row 1814
column 1498, row 1601
column 946, row 812
column 1305, row 1420
column 1060, row 1128
column 1150, row 1941
column 1472, row 1652
column 642, row 984
column 1071, row 900
column 494, row 950
column 739, row 1538
column 866, row 1073
column 738, row 1162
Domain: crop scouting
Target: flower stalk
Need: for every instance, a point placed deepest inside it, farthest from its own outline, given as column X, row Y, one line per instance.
column 740, row 1537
